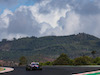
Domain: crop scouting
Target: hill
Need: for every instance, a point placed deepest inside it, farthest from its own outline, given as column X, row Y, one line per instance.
column 49, row 47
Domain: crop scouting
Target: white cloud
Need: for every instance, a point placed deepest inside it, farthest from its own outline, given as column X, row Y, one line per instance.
column 4, row 18
column 44, row 28
column 71, row 23
column 49, row 17
column 91, row 24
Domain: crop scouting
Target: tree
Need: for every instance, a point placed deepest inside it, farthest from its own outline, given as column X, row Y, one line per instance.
column 22, row 60
column 97, row 60
column 63, row 59
column 93, row 53
column 4, row 40
column 83, row 60
column 14, row 39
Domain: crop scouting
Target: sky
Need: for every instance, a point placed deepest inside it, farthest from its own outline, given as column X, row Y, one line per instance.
column 22, row 18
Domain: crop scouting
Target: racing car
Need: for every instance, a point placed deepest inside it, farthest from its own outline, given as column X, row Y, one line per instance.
column 33, row 66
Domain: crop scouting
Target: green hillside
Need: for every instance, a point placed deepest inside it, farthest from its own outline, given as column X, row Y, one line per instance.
column 49, row 47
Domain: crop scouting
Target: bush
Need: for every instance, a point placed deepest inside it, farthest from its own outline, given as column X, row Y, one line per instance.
column 22, row 60
column 63, row 59
column 48, row 63
column 97, row 60
column 83, row 60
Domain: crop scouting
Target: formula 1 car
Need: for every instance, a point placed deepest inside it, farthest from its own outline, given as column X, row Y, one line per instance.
column 33, row 66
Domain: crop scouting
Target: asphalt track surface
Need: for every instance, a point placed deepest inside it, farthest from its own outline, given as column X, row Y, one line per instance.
column 51, row 70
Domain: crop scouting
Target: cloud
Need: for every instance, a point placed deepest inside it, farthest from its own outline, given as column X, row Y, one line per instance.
column 70, row 24
column 47, row 14
column 8, row 3
column 22, row 22
column 52, row 17
column 87, row 8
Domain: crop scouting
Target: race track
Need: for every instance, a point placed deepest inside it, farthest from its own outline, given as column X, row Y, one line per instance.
column 51, row 71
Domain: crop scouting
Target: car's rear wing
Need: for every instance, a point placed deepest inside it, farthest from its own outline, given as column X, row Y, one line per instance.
column 34, row 62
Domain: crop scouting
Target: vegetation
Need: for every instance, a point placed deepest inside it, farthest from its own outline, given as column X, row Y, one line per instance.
column 93, row 53
column 22, row 61
column 63, row 59
column 97, row 60
column 83, row 60
column 49, row 48
column 46, row 63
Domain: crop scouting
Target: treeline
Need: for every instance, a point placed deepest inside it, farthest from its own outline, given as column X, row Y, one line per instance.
column 49, row 46
column 63, row 59
column 34, row 43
